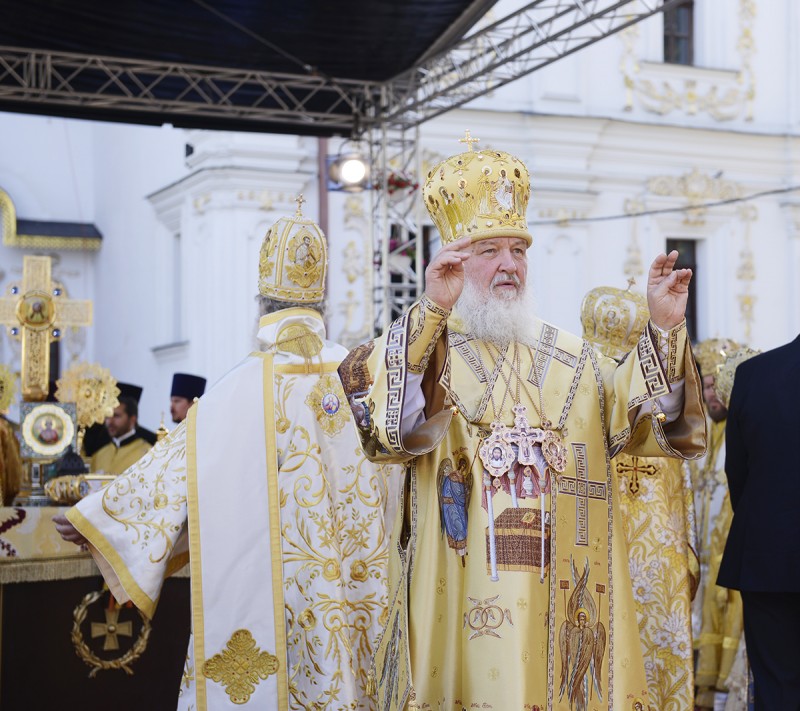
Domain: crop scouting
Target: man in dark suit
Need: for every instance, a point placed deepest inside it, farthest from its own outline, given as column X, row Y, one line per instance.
column 762, row 555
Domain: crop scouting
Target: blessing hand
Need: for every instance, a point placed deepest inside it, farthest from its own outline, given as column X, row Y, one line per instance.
column 667, row 291
column 444, row 277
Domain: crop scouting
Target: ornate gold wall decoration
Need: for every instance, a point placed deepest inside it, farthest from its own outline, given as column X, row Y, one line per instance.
column 12, row 238
column 633, row 266
column 356, row 260
column 695, row 188
column 353, row 262
column 722, row 95
column 746, row 273
column 200, row 203
column 562, row 215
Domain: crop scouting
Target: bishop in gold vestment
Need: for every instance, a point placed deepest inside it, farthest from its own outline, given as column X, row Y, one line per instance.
column 657, row 507
column 509, row 579
column 283, row 525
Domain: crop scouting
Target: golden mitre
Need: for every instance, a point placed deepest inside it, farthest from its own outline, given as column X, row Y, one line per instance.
column 723, row 383
column 711, row 353
column 613, row 319
column 294, row 260
column 480, row 194
column 8, row 387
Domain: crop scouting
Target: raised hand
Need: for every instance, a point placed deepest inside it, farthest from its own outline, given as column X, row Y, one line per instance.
column 667, row 291
column 444, row 277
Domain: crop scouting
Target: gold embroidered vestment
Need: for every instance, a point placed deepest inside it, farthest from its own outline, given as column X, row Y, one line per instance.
column 558, row 638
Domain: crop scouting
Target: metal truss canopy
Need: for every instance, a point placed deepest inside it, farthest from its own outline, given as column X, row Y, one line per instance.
column 191, row 95
column 179, row 93
column 536, row 35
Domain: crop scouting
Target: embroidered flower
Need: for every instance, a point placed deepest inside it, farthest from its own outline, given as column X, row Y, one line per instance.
column 307, row 619
column 331, row 571
column 359, row 571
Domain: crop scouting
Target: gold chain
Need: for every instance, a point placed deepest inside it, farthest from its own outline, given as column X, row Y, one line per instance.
column 498, row 366
column 515, row 364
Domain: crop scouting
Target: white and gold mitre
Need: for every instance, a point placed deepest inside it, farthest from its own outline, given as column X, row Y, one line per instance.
column 294, row 259
column 613, row 319
column 711, row 353
column 723, row 383
column 480, row 194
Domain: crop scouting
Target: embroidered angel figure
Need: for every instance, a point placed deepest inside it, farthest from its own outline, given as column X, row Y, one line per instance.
column 582, row 640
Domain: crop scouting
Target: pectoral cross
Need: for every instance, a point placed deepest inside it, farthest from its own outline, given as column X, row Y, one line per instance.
column 38, row 312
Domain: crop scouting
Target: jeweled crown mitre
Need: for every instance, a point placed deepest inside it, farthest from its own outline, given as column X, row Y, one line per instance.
column 294, row 260
column 480, row 194
column 723, row 383
column 613, row 319
column 711, row 353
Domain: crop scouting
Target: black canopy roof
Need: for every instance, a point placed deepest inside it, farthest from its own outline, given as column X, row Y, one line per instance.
column 339, row 40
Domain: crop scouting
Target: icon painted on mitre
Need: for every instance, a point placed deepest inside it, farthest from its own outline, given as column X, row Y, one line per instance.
column 305, row 253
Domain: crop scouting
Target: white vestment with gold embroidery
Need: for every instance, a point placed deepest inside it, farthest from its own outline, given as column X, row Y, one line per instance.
column 286, row 531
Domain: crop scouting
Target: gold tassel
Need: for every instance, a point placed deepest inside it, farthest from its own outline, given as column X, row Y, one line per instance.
column 372, row 684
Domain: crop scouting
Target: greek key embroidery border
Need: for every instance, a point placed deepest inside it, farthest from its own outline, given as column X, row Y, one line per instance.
column 396, row 362
column 655, row 379
column 437, row 334
column 672, row 351
column 461, row 344
column 543, row 354
column 602, row 397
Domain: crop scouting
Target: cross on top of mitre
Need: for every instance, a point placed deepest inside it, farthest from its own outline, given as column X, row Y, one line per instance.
column 37, row 312
column 299, row 200
column 469, row 140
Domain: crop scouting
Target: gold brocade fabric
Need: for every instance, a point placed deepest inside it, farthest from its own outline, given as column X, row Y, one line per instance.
column 723, row 622
column 658, row 511
column 334, row 544
column 718, row 610
column 115, row 460
column 10, row 464
column 557, row 630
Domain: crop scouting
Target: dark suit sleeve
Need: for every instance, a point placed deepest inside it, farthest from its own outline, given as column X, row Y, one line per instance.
column 735, row 444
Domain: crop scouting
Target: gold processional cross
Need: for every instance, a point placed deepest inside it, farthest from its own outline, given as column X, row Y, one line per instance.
column 37, row 312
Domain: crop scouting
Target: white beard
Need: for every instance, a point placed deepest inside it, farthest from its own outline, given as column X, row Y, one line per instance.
column 498, row 318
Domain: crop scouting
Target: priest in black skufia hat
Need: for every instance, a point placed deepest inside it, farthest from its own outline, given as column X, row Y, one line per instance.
column 185, row 389
column 97, row 436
